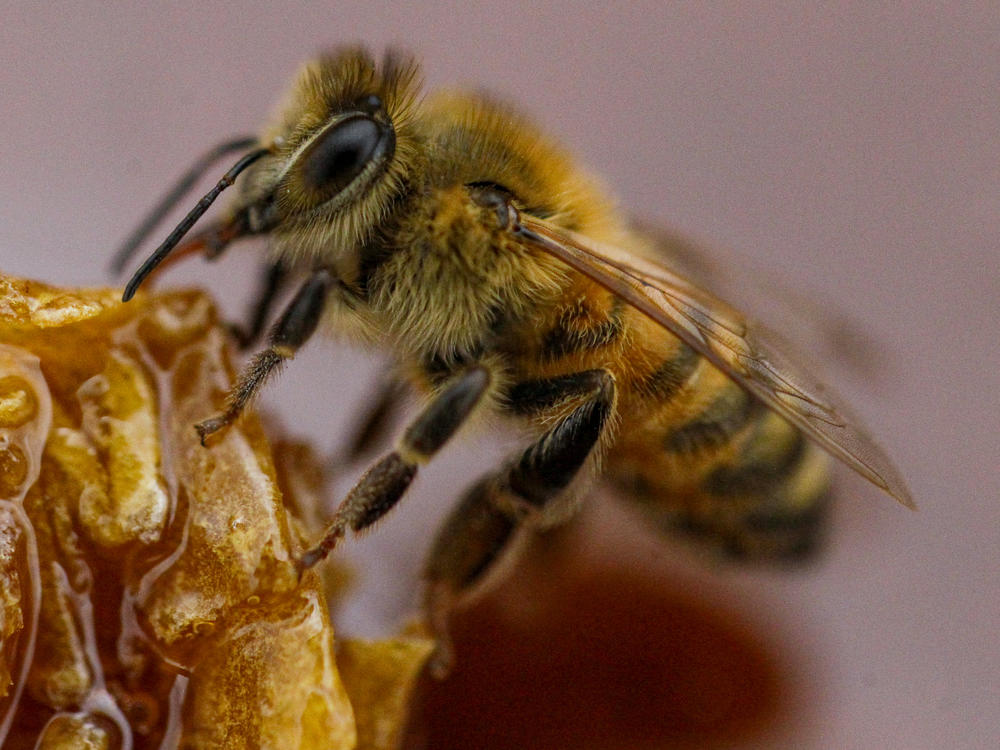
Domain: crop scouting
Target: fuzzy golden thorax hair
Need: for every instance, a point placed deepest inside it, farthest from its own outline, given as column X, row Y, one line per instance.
column 454, row 273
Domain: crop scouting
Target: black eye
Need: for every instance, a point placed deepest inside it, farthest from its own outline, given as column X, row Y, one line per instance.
column 338, row 156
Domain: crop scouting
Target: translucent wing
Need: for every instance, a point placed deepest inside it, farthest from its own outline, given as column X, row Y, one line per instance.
column 806, row 317
column 754, row 356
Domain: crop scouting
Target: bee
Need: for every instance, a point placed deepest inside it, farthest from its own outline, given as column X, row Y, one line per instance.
column 451, row 231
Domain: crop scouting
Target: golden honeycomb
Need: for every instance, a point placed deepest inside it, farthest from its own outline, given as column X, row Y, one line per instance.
column 148, row 590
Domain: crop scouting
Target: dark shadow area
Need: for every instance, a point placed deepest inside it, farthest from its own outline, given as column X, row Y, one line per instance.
column 585, row 649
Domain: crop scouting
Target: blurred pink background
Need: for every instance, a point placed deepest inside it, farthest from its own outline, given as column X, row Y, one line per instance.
column 855, row 151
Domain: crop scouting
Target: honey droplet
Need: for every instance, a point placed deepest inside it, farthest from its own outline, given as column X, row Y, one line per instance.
column 18, row 402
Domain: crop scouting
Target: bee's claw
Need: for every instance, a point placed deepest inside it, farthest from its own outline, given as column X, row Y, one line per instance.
column 442, row 659
column 439, row 602
column 309, row 558
column 209, row 427
column 300, row 569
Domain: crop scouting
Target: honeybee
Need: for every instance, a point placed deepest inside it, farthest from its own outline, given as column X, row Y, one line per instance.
column 451, row 231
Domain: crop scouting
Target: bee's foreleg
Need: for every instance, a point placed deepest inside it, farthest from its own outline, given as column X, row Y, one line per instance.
column 271, row 283
column 292, row 330
column 485, row 520
column 384, row 483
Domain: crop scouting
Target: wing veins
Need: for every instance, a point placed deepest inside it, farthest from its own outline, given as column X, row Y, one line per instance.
column 698, row 318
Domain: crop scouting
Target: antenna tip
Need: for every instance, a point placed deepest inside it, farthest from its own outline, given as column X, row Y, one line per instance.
column 129, row 292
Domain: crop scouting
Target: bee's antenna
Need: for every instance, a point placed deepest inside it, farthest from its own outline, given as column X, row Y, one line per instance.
column 185, row 183
column 184, row 227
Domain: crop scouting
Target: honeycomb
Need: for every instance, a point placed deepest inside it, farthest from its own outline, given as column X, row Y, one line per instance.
column 148, row 590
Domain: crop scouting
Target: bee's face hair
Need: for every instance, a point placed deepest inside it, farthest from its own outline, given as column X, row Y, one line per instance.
column 342, row 148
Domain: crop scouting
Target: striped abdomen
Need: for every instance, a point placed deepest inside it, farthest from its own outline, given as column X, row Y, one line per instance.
column 713, row 461
column 693, row 448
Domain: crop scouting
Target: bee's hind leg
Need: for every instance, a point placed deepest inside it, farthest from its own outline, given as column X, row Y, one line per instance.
column 484, row 522
column 293, row 329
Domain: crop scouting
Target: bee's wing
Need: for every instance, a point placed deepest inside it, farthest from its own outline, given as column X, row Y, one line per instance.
column 754, row 356
column 805, row 317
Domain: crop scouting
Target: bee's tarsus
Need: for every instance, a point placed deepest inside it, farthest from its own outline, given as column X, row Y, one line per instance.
column 319, row 553
column 438, row 603
column 209, row 427
column 292, row 330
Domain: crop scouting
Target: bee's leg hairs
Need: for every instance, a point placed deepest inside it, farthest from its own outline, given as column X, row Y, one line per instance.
column 293, row 329
column 385, row 482
column 492, row 510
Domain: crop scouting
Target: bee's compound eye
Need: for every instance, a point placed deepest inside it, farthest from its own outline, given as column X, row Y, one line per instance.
column 341, row 154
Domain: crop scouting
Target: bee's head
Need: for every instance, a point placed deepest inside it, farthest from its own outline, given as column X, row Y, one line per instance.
column 322, row 176
column 342, row 147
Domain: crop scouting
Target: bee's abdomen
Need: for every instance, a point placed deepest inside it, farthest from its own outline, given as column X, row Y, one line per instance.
column 700, row 453
column 705, row 457
column 715, row 425
column 769, row 499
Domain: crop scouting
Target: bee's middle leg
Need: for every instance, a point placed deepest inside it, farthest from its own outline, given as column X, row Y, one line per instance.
column 485, row 520
column 374, row 422
column 381, row 487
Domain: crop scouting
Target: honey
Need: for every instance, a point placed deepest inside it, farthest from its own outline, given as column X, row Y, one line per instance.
column 148, row 589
